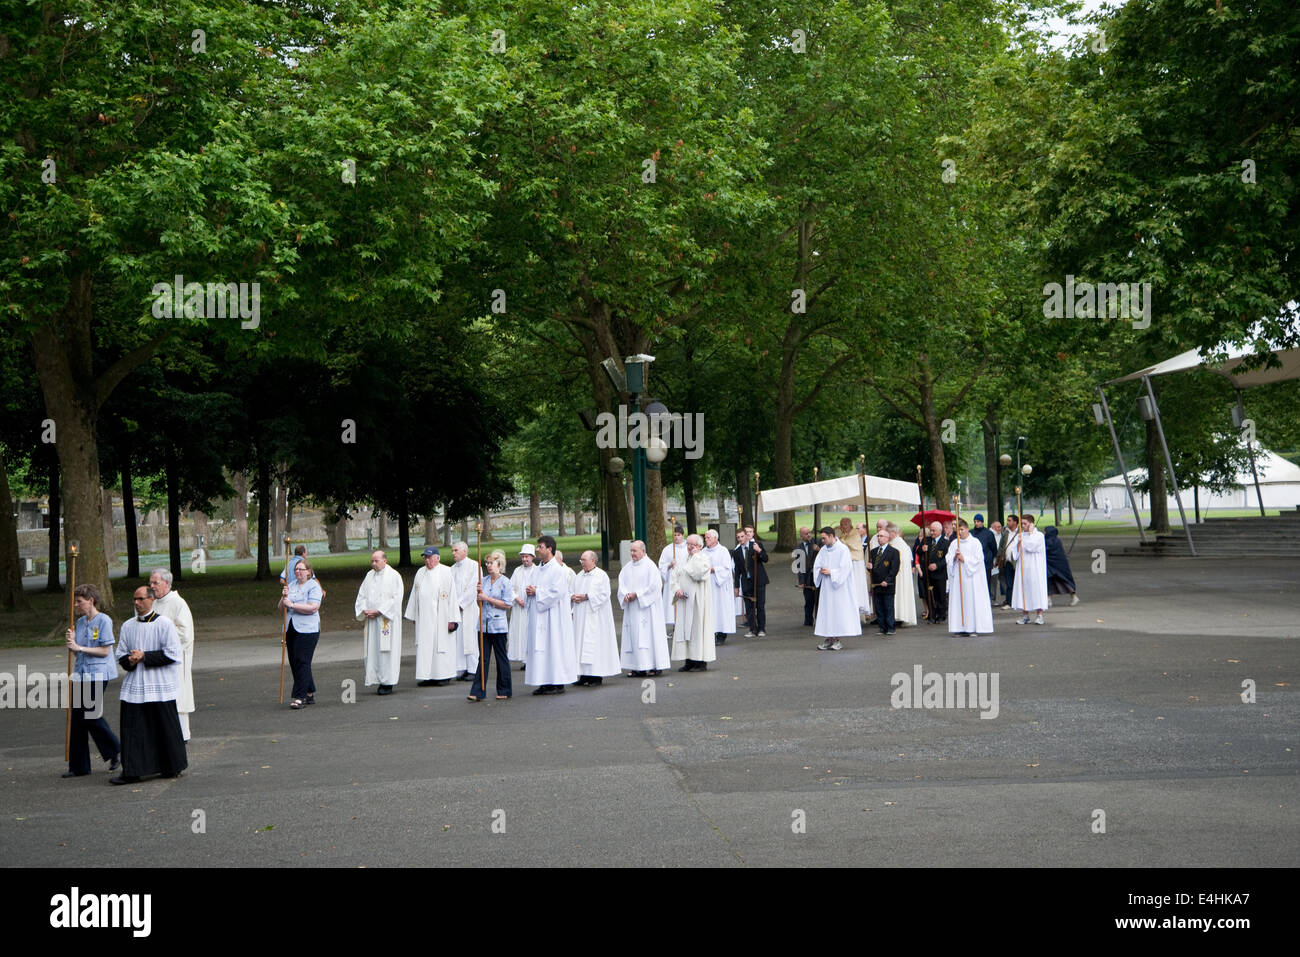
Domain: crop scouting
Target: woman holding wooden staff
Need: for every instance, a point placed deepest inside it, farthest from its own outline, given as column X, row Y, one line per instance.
column 301, row 602
column 92, row 641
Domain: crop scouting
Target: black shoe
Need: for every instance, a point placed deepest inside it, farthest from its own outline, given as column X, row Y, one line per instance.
column 594, row 680
column 466, row 677
column 116, row 763
column 541, row 690
column 701, row 666
column 689, row 666
column 121, row 779
column 553, row 689
column 581, row 682
column 892, row 631
column 426, row 683
column 74, row 774
column 385, row 689
column 441, row 682
column 310, row 699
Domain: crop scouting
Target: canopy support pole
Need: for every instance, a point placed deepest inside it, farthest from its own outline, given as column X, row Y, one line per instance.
column 1123, row 470
column 1250, row 448
column 1173, row 478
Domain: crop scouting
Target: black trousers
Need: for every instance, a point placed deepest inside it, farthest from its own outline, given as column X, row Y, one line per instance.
column 498, row 644
column 746, row 591
column 884, row 605
column 301, row 648
column 810, row 606
column 939, row 599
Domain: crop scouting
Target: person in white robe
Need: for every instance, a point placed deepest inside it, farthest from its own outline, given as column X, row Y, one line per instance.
column 549, row 659
column 645, row 640
column 693, row 584
column 724, row 596
column 595, row 641
column 170, row 604
column 905, row 590
column 379, row 605
column 837, row 608
column 851, row 538
column 433, row 608
column 569, row 574
column 1030, row 549
column 969, row 609
column 466, row 576
column 674, row 552
column 149, row 652
column 521, row 606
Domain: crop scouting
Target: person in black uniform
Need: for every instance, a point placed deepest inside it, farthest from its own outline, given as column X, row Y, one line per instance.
column 884, row 566
column 808, row 545
column 750, row 580
column 935, row 559
column 920, row 555
column 989, row 541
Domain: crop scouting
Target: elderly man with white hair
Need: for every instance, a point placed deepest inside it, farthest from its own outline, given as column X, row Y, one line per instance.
column 170, row 604
column 465, row 574
column 693, row 588
column 379, row 604
column 594, row 639
column 521, row 606
column 723, row 599
column 645, row 639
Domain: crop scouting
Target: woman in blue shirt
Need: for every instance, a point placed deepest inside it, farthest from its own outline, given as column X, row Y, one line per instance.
column 494, row 596
column 302, row 599
column 94, row 667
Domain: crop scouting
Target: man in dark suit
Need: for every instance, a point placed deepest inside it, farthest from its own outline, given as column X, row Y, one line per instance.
column 990, row 543
column 808, row 546
column 750, row 580
column 884, row 565
column 935, row 559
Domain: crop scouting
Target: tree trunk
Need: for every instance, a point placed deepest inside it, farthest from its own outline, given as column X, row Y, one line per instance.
column 54, row 554
column 1069, row 505
column 282, row 502
column 173, row 513
column 1156, row 472
column 783, row 437
column 579, row 523
column 264, row 509
column 241, row 517
column 534, row 512
column 381, row 529
column 1056, row 510
column 688, row 490
column 655, row 511
column 744, row 507
column 934, row 436
column 430, row 530
column 12, row 596
column 106, row 509
column 559, row 520
column 722, row 509
column 486, row 519
column 446, row 531
column 993, row 504
column 336, row 528
column 132, row 525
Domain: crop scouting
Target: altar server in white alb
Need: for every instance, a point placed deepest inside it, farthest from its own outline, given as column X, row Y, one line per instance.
column 436, row 613
column 549, row 660
column 674, row 552
column 466, row 574
column 645, row 641
column 969, row 609
column 379, row 605
column 595, row 642
column 521, row 605
column 693, row 588
column 723, row 598
column 569, row 574
column 170, row 604
column 1030, row 593
column 149, row 653
column 837, row 602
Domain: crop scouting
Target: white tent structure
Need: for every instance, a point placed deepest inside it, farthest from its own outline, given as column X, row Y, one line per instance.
column 848, row 490
column 1279, row 486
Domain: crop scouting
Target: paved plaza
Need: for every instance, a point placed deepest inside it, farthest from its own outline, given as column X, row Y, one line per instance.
column 1129, row 703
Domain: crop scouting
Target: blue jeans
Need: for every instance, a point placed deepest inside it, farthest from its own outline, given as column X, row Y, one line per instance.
column 491, row 643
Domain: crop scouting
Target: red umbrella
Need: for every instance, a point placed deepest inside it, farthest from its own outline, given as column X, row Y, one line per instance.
column 922, row 519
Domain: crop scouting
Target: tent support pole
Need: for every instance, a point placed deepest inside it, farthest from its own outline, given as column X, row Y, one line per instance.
column 1250, row 448
column 1173, row 478
column 1132, row 500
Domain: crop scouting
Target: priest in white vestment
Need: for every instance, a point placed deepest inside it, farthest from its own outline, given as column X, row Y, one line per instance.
column 645, row 640
column 1030, row 592
column 905, row 585
column 969, row 609
column 837, row 605
column 521, row 607
column 549, row 659
column 723, row 597
column 466, row 574
column 379, row 604
column 674, row 552
column 693, row 587
column 170, row 604
column 594, row 639
column 433, row 608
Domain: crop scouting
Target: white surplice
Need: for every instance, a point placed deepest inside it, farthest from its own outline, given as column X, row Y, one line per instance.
column 645, row 639
column 174, row 607
column 723, row 596
column 837, row 607
column 520, row 610
column 1030, row 592
column 693, row 636
column 433, row 606
column 549, row 657
column 381, row 636
column 905, row 585
column 969, row 608
column 465, row 574
column 670, row 555
column 595, row 643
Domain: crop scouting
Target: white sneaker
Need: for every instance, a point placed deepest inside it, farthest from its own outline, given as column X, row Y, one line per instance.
column 1023, row 621
column 838, row 646
column 825, row 645
column 1074, row 600
column 762, row 634
column 750, row 634
column 1037, row 621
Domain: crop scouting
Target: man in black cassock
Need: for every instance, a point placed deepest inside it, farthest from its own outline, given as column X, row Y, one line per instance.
column 149, row 652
